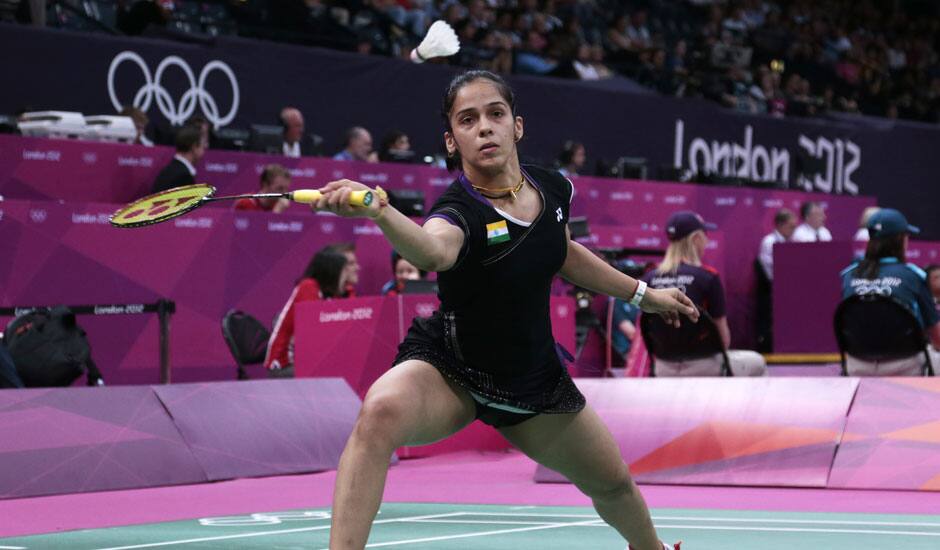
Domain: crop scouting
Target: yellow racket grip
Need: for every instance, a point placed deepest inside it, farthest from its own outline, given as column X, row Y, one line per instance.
column 310, row 196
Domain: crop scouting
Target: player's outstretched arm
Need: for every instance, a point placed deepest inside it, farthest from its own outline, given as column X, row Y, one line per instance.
column 431, row 247
column 586, row 270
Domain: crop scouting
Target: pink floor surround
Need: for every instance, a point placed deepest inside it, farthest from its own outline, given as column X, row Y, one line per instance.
column 468, row 477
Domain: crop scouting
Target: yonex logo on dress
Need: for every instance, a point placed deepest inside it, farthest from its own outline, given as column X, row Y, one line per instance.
column 559, row 215
column 153, row 88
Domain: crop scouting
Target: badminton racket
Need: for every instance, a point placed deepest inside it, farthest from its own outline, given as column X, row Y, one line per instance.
column 175, row 202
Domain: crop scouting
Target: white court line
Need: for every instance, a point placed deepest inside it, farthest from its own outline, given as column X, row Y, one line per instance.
column 797, row 530
column 598, row 523
column 480, row 534
column 262, row 533
column 12, row 548
column 730, row 520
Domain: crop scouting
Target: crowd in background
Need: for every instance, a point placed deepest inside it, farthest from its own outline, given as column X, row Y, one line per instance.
column 781, row 57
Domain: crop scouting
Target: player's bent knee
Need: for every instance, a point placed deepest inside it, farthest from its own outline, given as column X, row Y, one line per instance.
column 613, row 488
column 382, row 419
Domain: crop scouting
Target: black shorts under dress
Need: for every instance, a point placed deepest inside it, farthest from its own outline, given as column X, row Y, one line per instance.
column 492, row 334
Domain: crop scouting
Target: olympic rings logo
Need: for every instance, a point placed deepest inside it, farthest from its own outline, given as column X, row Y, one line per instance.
column 153, row 89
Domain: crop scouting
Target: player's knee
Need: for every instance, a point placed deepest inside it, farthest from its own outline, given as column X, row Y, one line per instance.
column 614, row 487
column 381, row 419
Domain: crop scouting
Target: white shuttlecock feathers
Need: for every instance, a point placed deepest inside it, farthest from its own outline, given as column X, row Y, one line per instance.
column 441, row 41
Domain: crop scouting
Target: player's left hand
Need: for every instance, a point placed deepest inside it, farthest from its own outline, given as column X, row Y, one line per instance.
column 671, row 304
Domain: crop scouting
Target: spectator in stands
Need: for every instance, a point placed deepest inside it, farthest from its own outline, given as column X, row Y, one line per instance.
column 883, row 271
column 589, row 64
column 182, row 169
column 933, row 281
column 205, row 129
column 862, row 234
column 140, row 122
column 323, row 279
column 396, row 147
column 274, row 179
column 134, row 18
column 637, row 32
column 357, row 146
column 402, row 271
column 624, row 330
column 813, row 227
column 571, row 159
column 350, row 274
column 784, row 226
column 296, row 143
column 682, row 267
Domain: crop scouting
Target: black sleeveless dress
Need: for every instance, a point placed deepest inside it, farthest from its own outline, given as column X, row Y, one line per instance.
column 492, row 334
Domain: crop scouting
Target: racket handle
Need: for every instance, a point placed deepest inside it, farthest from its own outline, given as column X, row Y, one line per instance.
column 310, row 196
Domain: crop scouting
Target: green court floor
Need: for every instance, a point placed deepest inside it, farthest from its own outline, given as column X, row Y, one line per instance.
column 484, row 527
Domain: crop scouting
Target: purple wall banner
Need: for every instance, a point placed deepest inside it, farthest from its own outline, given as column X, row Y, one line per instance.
column 625, row 213
column 207, row 262
column 73, row 440
column 838, row 154
column 263, row 427
column 892, row 438
column 735, row 431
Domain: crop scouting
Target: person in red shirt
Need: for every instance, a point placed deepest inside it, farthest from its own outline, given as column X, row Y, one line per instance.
column 326, row 277
column 274, row 179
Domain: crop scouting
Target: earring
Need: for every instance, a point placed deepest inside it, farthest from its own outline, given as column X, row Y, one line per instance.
column 450, row 154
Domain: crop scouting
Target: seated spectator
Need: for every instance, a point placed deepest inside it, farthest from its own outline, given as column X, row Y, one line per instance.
column 357, row 146
column 571, row 159
column 141, row 120
column 324, row 278
column 933, row 281
column 784, row 226
column 813, row 227
column 883, row 271
column 862, row 234
column 350, row 270
column 396, row 147
column 682, row 267
column 182, row 169
column 403, row 271
column 296, row 144
column 274, row 179
column 623, row 330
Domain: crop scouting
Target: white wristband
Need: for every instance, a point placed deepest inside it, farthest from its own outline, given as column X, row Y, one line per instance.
column 638, row 294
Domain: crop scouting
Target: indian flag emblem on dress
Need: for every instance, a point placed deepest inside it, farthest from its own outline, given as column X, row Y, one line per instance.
column 497, row 232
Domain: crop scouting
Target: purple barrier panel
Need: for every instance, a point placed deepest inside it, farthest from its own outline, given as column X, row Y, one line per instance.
column 807, row 289
column 78, row 171
column 73, row 440
column 355, row 339
column 263, row 427
column 733, row 431
column 892, row 437
column 207, row 262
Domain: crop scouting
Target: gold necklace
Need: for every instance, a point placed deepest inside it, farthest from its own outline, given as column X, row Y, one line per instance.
column 503, row 192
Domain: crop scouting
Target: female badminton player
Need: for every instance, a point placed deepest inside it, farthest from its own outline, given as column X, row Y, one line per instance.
column 496, row 238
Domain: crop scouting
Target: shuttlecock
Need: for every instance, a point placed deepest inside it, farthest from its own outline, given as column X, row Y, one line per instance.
column 441, row 41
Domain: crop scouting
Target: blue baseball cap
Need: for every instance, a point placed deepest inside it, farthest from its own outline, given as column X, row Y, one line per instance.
column 887, row 222
column 685, row 222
